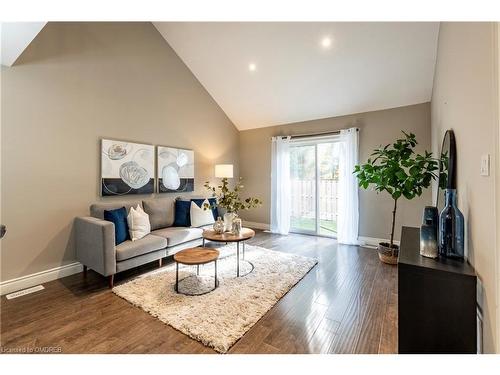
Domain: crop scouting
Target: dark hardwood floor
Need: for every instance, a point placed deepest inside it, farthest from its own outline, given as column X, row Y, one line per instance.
column 346, row 304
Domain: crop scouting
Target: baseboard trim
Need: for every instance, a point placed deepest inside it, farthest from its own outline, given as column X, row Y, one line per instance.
column 255, row 225
column 372, row 241
column 363, row 241
column 34, row 279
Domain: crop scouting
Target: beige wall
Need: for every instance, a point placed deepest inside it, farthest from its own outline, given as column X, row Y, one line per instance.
column 376, row 128
column 76, row 83
column 464, row 99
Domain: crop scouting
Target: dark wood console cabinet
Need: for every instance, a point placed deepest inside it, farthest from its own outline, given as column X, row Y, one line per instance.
column 436, row 301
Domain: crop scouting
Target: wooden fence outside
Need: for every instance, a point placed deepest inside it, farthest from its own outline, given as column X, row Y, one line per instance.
column 304, row 203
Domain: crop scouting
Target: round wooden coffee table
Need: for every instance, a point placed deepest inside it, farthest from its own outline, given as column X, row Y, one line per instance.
column 195, row 256
column 245, row 234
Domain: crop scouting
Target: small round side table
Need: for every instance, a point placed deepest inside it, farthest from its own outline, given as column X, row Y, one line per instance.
column 195, row 256
column 245, row 234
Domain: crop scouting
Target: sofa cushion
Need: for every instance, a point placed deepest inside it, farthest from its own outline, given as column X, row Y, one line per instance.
column 178, row 235
column 140, row 260
column 147, row 244
column 160, row 211
column 97, row 209
column 119, row 218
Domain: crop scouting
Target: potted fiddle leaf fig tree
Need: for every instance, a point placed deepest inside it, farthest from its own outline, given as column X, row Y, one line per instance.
column 399, row 171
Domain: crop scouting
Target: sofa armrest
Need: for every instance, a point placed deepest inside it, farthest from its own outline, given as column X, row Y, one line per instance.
column 95, row 244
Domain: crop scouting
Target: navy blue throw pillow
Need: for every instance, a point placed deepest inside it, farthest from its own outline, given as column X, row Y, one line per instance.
column 213, row 203
column 119, row 218
column 182, row 213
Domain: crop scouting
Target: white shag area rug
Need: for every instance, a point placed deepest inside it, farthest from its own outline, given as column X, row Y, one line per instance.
column 220, row 318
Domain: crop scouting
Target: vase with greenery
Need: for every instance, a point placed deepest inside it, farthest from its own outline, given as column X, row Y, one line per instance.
column 402, row 173
column 230, row 200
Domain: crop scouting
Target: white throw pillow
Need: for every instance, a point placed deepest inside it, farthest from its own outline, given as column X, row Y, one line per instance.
column 138, row 223
column 200, row 216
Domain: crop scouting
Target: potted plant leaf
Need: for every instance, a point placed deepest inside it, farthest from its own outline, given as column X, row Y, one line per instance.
column 399, row 171
column 230, row 200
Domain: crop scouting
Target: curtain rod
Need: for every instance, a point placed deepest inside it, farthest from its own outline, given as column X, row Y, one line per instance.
column 315, row 134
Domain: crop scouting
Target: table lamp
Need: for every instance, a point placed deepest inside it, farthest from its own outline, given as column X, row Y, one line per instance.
column 224, row 170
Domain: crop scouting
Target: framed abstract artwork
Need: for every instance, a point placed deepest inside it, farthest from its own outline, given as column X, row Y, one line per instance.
column 126, row 168
column 175, row 169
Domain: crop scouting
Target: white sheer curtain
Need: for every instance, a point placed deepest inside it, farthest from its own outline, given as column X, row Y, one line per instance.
column 280, row 185
column 348, row 218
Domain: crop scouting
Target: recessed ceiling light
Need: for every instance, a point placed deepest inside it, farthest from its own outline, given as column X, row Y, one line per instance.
column 326, row 42
column 252, row 67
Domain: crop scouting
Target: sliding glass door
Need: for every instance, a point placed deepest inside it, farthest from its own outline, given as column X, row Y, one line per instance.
column 314, row 176
column 303, row 185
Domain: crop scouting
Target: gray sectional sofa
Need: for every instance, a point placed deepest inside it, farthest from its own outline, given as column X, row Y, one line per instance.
column 95, row 238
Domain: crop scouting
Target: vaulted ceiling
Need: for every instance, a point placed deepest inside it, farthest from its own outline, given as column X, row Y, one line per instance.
column 15, row 37
column 264, row 74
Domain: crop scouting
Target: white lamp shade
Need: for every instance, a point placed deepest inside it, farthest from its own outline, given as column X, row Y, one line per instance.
column 224, row 170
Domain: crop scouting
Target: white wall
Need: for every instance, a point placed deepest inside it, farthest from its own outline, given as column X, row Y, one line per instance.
column 75, row 84
column 465, row 99
column 376, row 128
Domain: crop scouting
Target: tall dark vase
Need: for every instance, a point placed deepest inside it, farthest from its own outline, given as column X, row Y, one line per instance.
column 451, row 228
column 429, row 232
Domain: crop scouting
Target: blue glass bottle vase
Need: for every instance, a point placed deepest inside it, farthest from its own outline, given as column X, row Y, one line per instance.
column 451, row 228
